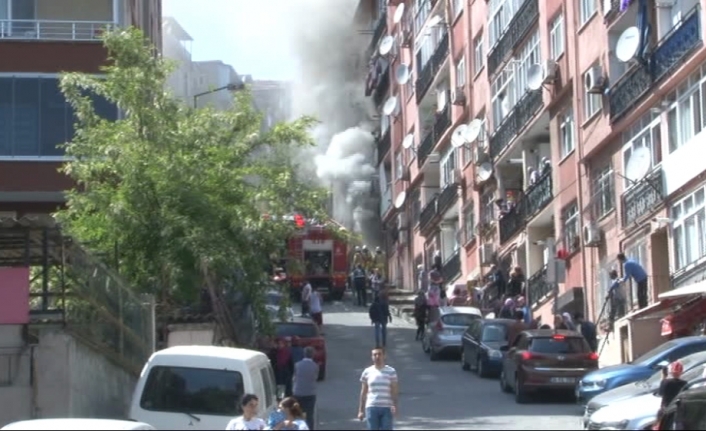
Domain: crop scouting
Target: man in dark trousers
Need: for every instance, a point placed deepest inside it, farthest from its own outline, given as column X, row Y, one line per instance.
column 380, row 316
column 633, row 269
column 359, row 284
column 588, row 330
column 306, row 373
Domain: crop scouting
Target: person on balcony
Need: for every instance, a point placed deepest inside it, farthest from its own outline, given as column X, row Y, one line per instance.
column 497, row 280
column 616, row 297
column 533, row 176
column 516, row 284
column 546, row 166
column 633, row 269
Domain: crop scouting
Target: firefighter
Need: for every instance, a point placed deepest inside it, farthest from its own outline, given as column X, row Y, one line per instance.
column 367, row 260
column 357, row 257
column 380, row 262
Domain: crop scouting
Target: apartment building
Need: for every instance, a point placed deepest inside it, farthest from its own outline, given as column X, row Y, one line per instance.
column 211, row 79
column 176, row 46
column 543, row 179
column 273, row 99
column 38, row 40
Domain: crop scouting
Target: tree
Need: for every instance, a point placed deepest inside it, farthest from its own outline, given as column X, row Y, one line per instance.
column 180, row 191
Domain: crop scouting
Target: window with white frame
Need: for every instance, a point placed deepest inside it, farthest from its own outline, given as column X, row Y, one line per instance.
column 461, row 72
column 687, row 113
column 458, row 7
column 409, row 86
column 469, row 222
column 570, row 226
column 427, row 45
column 416, row 199
column 501, row 14
column 556, row 36
column 470, row 150
column 384, row 124
column 602, row 283
column 592, row 102
column 638, row 252
column 487, row 207
column 602, row 191
column 399, row 165
column 478, row 54
column 422, row 8
column 587, row 9
column 566, row 132
column 448, row 164
column 646, row 132
column 689, row 229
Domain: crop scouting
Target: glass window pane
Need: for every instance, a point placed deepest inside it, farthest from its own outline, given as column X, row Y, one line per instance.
column 6, row 116
column 54, row 115
column 26, row 117
column 104, row 109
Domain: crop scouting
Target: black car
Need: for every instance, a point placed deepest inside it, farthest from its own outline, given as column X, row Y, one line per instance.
column 481, row 344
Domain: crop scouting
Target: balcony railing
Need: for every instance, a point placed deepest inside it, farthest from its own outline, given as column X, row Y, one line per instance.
column 428, row 214
column 670, row 52
column 512, row 222
column 614, row 12
column 381, row 88
column 452, row 267
column 422, row 14
column 538, row 288
column 425, row 148
column 429, row 70
column 521, row 24
column 643, row 198
column 53, row 30
column 384, row 143
column 536, row 197
column 379, row 28
column 516, row 120
column 448, row 197
column 441, row 123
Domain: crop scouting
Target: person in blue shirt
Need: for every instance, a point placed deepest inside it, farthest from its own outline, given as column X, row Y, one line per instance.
column 633, row 269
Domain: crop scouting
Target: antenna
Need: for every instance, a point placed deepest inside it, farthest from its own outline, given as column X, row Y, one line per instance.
column 628, row 44
column 399, row 13
column 386, row 46
column 440, row 101
column 399, row 200
column 473, row 130
column 535, row 77
column 402, row 73
column 638, row 164
column 485, row 171
column 408, row 141
column 391, row 106
column 458, row 137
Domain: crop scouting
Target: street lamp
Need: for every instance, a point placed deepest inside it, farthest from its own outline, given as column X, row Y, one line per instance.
column 230, row 87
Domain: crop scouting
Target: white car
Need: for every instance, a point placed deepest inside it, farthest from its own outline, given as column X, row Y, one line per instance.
column 637, row 413
column 77, row 424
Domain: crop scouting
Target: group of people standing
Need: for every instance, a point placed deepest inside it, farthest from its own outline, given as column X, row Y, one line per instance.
column 368, row 273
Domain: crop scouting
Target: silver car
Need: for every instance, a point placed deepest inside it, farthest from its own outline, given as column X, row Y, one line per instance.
column 274, row 300
column 445, row 330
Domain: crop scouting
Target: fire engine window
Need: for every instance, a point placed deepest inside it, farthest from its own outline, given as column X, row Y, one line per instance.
column 318, row 262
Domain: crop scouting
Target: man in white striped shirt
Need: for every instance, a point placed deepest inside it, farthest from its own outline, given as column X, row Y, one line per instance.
column 378, row 393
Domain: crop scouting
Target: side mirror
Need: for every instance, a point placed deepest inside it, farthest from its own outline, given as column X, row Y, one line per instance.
column 504, row 348
column 662, row 364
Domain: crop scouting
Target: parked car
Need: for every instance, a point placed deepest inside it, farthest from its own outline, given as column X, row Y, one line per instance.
column 545, row 359
column 641, row 387
column 637, row 413
column 688, row 410
column 274, row 300
column 309, row 335
column 77, row 424
column 444, row 333
column 641, row 368
column 481, row 344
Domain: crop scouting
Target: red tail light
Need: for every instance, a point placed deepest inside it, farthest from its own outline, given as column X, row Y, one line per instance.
column 439, row 325
column 558, row 337
column 526, row 356
column 593, row 356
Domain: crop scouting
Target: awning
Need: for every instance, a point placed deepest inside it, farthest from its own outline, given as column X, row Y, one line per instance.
column 657, row 310
column 692, row 289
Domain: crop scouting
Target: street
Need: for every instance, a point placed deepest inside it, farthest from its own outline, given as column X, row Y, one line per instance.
column 433, row 395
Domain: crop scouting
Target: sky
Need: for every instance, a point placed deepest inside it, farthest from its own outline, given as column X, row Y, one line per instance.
column 237, row 32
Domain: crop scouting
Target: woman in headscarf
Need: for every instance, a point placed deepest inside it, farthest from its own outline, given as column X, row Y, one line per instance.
column 568, row 321
column 508, row 309
column 559, row 322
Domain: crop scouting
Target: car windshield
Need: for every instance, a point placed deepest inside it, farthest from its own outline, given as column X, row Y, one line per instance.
column 493, row 333
column 655, row 354
column 301, row 330
column 459, row 319
column 551, row 345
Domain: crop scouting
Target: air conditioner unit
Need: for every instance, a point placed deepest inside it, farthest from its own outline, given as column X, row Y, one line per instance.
column 591, row 235
column 402, row 220
column 458, row 176
column 458, row 97
column 434, row 157
column 550, row 71
column 487, row 254
column 594, row 81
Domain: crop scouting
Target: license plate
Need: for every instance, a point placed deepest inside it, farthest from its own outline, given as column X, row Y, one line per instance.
column 562, row 380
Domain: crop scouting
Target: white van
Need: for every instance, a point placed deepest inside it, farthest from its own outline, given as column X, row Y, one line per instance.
column 200, row 387
column 75, row 424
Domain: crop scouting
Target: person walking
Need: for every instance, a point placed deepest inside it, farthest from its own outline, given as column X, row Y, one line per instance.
column 380, row 316
column 249, row 420
column 359, row 285
column 306, row 373
column 284, row 367
column 306, row 296
column 376, row 282
column 317, row 312
column 420, row 313
column 633, row 269
column 378, row 393
column 588, row 330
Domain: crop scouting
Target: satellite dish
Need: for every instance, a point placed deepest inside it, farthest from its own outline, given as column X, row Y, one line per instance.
column 485, row 171
column 402, row 74
column 388, row 42
column 535, row 77
column 408, row 141
column 628, row 44
column 390, row 107
column 473, row 130
column 638, row 164
column 399, row 13
column 399, row 200
column 440, row 101
column 458, row 137
column 434, row 21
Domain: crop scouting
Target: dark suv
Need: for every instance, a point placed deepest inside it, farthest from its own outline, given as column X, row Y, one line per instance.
column 545, row 359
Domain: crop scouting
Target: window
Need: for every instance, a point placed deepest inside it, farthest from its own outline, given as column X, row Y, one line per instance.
column 461, row 73
column 427, row 45
column 487, row 207
column 268, row 380
column 399, row 165
column 559, row 345
column 566, row 132
column 602, row 284
column 416, row 206
column 602, row 191
column 198, row 391
column 448, row 165
column 556, row 37
column 687, row 113
column 409, row 86
column 689, row 229
column 638, row 252
column 592, row 102
column 501, row 13
column 422, row 8
column 458, row 7
column 478, row 54
column 469, row 223
column 458, row 319
column 494, row 334
column 646, row 132
column 570, row 230
column 471, row 150
column 587, row 10
column 35, row 119
column 384, row 124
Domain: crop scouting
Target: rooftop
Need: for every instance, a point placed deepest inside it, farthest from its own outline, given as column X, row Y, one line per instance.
column 208, row 351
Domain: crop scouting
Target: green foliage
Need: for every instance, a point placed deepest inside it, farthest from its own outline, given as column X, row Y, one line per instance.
column 176, row 187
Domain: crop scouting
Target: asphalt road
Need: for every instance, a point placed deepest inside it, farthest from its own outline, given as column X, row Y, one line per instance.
column 433, row 395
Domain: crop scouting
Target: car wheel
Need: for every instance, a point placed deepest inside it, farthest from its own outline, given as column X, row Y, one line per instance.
column 520, row 393
column 482, row 372
column 464, row 364
column 503, row 383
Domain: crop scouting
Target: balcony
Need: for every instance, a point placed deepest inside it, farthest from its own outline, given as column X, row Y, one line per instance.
column 512, row 222
column 18, row 29
column 521, row 24
column 538, row 288
column 428, row 214
column 518, row 118
column 381, row 87
column 452, row 267
column 384, row 143
column 538, row 195
column 441, row 123
column 669, row 54
column 448, row 197
column 643, row 198
column 429, row 70
column 379, row 28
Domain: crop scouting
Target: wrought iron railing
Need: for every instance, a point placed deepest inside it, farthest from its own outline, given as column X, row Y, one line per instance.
column 442, row 122
column 452, row 267
column 428, row 214
column 520, row 25
column 386, row 201
column 643, row 198
column 430, row 69
column 378, row 30
column 518, row 118
column 384, row 144
column 538, row 288
column 512, row 222
column 539, row 195
column 425, row 147
column 448, row 196
column 382, row 87
column 670, row 52
column 22, row 29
